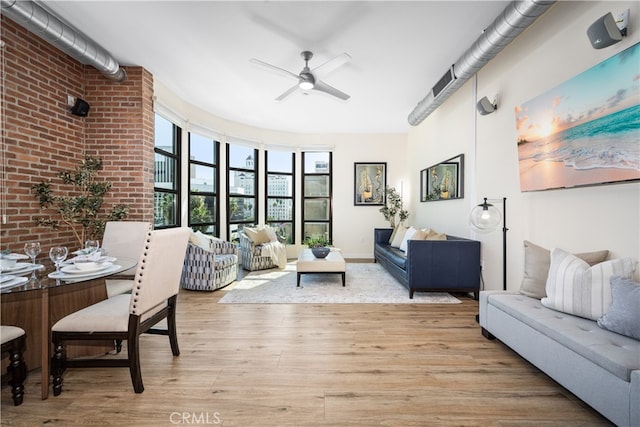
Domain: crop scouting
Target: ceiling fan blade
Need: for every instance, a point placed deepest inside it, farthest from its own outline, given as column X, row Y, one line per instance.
column 331, row 65
column 274, row 68
column 287, row 93
column 323, row 87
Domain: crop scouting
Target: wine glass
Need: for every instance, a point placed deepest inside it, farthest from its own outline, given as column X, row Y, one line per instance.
column 57, row 255
column 91, row 246
column 32, row 249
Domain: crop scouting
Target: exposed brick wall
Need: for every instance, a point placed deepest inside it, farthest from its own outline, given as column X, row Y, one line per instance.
column 40, row 137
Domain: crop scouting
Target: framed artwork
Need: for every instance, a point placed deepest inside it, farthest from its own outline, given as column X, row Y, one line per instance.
column 444, row 181
column 583, row 131
column 370, row 181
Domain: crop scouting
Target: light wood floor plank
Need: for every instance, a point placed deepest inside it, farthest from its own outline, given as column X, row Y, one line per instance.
column 313, row 365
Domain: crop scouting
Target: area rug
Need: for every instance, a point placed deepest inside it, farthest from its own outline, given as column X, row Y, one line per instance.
column 367, row 283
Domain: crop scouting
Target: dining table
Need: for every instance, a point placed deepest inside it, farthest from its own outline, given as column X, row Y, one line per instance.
column 35, row 296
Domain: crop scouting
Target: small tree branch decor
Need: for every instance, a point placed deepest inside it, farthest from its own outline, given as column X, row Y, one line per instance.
column 80, row 210
column 393, row 207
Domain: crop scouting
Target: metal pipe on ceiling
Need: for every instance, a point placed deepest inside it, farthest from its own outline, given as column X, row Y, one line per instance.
column 40, row 21
column 513, row 20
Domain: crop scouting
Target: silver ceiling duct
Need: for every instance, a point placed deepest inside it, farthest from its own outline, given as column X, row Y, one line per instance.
column 38, row 20
column 513, row 20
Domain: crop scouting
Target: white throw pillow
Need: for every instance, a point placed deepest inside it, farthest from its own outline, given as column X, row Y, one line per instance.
column 200, row 240
column 271, row 232
column 575, row 288
column 257, row 236
column 397, row 240
column 408, row 235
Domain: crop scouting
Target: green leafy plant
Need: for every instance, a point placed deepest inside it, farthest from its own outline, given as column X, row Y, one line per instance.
column 393, row 207
column 316, row 241
column 80, row 210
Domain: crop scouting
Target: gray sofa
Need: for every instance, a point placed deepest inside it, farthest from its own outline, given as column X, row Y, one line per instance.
column 451, row 265
column 600, row 367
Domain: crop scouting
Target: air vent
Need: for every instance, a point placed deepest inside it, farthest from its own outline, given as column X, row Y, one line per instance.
column 444, row 82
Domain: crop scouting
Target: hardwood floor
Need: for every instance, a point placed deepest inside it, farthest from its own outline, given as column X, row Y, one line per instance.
column 312, row 365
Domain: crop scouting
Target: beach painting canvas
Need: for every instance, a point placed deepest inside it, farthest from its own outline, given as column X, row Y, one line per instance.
column 585, row 131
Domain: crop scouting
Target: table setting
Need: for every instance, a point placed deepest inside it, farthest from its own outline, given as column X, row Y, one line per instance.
column 88, row 262
column 12, row 271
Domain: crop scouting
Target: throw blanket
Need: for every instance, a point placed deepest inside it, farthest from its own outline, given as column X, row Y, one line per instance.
column 277, row 252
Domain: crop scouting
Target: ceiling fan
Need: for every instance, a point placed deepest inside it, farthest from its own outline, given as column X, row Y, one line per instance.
column 310, row 79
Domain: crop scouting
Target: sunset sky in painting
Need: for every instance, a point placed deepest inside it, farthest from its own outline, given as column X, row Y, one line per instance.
column 610, row 86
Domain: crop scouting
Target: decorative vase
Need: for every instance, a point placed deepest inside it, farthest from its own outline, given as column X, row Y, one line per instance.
column 320, row 252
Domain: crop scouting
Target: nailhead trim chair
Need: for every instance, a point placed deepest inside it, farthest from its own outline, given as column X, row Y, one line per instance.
column 208, row 270
column 13, row 342
column 124, row 239
column 126, row 317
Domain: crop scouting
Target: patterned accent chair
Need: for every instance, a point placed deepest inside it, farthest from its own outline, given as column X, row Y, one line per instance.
column 251, row 254
column 209, row 264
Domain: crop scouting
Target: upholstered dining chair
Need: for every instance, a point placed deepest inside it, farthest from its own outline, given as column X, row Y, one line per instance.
column 126, row 317
column 124, row 239
column 13, row 342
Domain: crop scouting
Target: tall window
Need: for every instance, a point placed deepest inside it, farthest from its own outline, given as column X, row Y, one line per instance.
column 242, row 165
column 280, row 203
column 203, row 184
column 317, row 193
column 166, row 194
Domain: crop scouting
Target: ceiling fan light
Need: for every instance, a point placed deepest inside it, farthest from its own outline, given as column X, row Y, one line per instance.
column 305, row 85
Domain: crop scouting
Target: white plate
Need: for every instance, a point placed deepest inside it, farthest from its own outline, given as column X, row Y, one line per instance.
column 27, row 268
column 101, row 259
column 15, row 256
column 75, row 276
column 6, row 277
column 15, row 281
column 18, row 266
column 72, row 269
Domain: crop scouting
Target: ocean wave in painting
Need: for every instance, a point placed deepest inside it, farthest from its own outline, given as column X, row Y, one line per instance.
column 612, row 141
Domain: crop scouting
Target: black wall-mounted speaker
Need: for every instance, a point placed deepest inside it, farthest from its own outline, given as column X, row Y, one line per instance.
column 80, row 108
column 604, row 32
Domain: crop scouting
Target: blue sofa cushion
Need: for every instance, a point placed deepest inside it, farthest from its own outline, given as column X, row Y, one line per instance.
column 396, row 256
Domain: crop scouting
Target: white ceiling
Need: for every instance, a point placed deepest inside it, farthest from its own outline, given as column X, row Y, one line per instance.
column 201, row 51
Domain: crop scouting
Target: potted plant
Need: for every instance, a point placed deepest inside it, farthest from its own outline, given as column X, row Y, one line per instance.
column 393, row 206
column 81, row 208
column 319, row 245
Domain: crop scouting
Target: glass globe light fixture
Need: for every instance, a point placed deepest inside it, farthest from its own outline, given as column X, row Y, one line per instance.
column 485, row 217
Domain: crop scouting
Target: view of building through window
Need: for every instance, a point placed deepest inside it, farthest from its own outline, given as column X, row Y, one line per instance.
column 166, row 173
column 241, row 193
column 317, row 195
column 203, row 184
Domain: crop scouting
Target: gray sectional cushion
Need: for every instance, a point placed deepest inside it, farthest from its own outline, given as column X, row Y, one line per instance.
column 615, row 353
column 623, row 316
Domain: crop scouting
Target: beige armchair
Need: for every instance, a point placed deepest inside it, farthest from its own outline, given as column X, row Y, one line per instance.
column 126, row 317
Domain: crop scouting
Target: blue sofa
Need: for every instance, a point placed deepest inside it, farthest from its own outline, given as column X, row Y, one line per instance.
column 451, row 265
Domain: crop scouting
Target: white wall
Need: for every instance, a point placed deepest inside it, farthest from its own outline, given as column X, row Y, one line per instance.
column 548, row 53
column 352, row 225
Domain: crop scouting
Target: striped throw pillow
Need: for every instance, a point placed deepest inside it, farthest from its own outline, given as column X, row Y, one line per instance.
column 574, row 287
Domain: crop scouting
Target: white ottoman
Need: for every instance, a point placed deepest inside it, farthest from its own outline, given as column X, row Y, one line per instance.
column 333, row 264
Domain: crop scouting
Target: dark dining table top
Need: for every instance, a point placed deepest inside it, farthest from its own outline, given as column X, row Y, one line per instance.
column 37, row 277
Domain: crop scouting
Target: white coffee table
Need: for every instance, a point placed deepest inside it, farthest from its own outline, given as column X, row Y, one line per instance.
column 334, row 263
